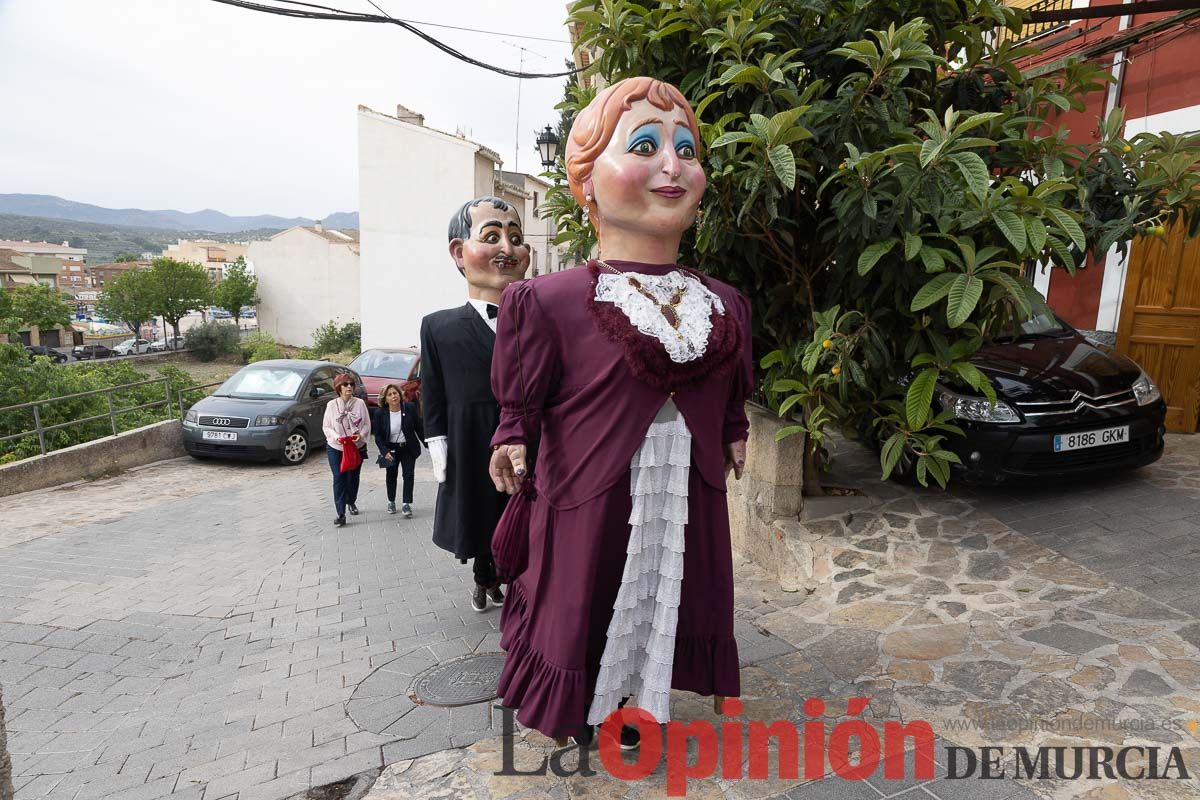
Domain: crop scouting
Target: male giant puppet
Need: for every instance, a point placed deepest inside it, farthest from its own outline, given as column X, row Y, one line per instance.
column 460, row 411
column 634, row 381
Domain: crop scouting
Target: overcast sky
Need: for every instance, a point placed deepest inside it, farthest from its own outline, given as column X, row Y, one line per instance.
column 190, row 104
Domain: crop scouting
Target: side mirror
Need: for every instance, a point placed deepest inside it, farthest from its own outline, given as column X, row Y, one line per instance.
column 317, row 391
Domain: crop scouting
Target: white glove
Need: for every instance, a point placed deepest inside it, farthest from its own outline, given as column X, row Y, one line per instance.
column 437, row 452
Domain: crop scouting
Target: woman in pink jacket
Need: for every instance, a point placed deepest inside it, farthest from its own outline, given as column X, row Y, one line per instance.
column 347, row 421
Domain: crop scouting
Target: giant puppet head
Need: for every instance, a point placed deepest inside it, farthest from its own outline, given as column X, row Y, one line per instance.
column 487, row 244
column 633, row 160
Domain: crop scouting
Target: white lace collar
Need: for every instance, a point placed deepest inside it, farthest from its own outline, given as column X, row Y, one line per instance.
column 686, row 343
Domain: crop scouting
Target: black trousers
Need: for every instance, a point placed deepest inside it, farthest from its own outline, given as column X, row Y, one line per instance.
column 484, row 569
column 345, row 484
column 403, row 462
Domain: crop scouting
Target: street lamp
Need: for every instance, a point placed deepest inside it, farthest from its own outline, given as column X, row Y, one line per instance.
column 547, row 145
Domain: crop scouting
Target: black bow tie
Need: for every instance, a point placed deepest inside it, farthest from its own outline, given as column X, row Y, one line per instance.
column 492, row 310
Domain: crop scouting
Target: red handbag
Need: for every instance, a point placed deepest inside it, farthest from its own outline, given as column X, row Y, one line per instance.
column 351, row 458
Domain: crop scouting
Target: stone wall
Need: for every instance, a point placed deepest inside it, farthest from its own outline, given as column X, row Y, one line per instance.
column 765, row 507
column 94, row 459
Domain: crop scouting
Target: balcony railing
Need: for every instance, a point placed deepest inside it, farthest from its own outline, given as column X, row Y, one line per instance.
column 1035, row 30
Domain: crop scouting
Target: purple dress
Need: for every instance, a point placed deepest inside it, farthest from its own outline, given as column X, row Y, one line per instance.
column 588, row 389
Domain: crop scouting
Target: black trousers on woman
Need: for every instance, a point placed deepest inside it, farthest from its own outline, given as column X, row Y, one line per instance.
column 404, row 462
column 345, row 484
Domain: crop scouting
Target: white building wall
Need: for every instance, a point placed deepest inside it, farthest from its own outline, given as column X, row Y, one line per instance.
column 1179, row 120
column 304, row 281
column 411, row 180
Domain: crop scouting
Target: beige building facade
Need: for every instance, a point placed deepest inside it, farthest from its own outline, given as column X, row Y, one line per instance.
column 307, row 276
column 213, row 256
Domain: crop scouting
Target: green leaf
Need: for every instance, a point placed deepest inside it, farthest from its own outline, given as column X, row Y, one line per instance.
column 781, row 122
column 771, row 359
column 870, row 257
column 974, row 172
column 912, row 246
column 933, row 291
column 964, row 295
column 918, row 402
column 1010, row 225
column 1069, row 225
column 812, row 354
column 856, row 373
column 1037, row 233
column 932, row 259
column 1014, row 286
column 790, row 430
column 974, row 378
column 889, row 455
column 929, row 149
column 784, row 164
column 730, row 138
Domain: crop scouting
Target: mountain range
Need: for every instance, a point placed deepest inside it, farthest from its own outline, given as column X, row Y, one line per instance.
column 208, row 220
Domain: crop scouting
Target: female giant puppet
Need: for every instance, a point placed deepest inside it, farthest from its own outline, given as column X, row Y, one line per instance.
column 633, row 372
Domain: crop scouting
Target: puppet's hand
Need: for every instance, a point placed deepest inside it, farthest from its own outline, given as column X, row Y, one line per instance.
column 508, row 467
column 735, row 458
column 437, row 453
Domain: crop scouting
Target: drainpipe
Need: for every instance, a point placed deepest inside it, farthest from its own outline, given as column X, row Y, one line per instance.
column 1113, row 282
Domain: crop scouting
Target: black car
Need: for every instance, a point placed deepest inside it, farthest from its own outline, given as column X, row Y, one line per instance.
column 266, row 411
column 1066, row 406
column 85, row 351
column 36, row 350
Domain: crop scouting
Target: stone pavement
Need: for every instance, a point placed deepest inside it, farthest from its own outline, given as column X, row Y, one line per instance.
column 199, row 630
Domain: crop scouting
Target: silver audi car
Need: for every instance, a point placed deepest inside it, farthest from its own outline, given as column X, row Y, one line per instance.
column 267, row 411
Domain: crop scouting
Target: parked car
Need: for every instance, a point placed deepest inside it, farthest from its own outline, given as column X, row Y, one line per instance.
column 380, row 366
column 219, row 313
column 36, row 350
column 1065, row 406
column 161, row 345
column 83, row 352
column 267, row 411
column 131, row 346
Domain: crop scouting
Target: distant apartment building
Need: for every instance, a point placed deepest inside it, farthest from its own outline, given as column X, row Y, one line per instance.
column 307, row 276
column 103, row 273
column 73, row 277
column 412, row 178
column 63, row 251
column 13, row 274
column 213, row 256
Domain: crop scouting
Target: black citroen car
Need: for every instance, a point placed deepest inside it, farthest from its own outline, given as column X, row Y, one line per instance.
column 1066, row 406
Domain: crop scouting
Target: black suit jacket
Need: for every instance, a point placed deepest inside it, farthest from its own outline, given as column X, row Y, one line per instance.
column 457, row 400
column 410, row 424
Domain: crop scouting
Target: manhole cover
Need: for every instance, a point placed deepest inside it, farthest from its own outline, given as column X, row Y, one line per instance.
column 466, row 680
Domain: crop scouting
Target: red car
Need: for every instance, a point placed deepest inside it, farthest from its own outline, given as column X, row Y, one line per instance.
column 380, row 366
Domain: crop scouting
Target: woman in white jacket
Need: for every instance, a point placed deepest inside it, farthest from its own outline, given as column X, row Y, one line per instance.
column 346, row 416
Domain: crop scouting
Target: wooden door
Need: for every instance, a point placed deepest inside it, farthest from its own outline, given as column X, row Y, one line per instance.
column 1160, row 320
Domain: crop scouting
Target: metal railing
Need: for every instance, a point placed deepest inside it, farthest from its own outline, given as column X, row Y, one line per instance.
column 1034, row 30
column 113, row 412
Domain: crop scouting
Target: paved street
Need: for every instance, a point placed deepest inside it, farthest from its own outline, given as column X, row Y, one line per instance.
column 201, row 631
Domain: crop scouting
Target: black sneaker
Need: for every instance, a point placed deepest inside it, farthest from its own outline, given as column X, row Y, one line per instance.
column 496, row 596
column 585, row 738
column 479, row 598
column 339, row 521
column 406, row 510
column 353, row 509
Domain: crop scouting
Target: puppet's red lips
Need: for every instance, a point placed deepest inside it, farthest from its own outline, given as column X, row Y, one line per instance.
column 670, row 191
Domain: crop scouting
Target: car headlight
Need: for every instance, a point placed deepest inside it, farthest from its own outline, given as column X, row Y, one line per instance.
column 190, row 418
column 977, row 409
column 266, row 421
column 1145, row 391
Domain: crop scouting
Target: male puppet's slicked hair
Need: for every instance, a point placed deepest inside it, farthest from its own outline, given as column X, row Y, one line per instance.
column 460, row 223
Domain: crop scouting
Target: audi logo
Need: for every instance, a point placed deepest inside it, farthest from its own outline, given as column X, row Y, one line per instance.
column 225, row 421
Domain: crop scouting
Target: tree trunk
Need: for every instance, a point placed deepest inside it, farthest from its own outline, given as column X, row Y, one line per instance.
column 812, row 470
column 6, row 784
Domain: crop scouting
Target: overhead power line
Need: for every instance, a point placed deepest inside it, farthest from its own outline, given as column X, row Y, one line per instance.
column 305, row 10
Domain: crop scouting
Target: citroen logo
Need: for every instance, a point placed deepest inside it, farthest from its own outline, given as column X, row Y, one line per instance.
column 223, row 421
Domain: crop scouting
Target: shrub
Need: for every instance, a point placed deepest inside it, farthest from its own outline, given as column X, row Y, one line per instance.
column 259, row 346
column 329, row 338
column 211, row 339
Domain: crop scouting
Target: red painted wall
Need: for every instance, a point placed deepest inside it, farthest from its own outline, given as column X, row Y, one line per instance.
column 1159, row 75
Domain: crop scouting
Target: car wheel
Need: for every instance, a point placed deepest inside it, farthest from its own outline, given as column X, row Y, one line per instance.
column 295, row 448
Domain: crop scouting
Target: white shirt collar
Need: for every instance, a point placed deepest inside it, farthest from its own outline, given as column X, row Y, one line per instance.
column 481, row 307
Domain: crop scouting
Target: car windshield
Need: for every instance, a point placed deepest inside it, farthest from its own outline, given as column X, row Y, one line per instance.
column 1044, row 325
column 262, row 383
column 381, row 364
